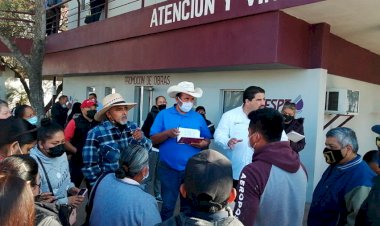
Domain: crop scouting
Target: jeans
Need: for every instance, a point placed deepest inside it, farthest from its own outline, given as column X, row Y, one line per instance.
column 152, row 182
column 171, row 180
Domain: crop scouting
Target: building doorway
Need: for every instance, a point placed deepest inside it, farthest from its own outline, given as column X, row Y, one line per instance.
column 144, row 99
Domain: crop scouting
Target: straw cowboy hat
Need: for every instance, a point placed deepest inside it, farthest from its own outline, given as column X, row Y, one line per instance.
column 109, row 101
column 185, row 87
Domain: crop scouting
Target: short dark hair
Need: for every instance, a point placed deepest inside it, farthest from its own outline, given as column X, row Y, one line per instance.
column 250, row 92
column 200, row 108
column 371, row 156
column 20, row 110
column 93, row 94
column 268, row 122
column 61, row 97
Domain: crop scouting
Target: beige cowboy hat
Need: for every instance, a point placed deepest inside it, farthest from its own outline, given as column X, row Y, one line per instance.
column 185, row 87
column 109, row 101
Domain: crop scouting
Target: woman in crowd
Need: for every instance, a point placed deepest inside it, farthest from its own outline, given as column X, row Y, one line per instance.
column 16, row 202
column 28, row 139
column 11, row 130
column 4, row 110
column 26, row 168
column 119, row 197
column 53, row 165
column 372, row 159
column 75, row 112
column 26, row 112
column 293, row 124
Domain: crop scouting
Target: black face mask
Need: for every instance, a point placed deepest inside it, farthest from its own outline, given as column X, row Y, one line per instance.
column 56, row 151
column 288, row 118
column 161, row 107
column 91, row 114
column 332, row 156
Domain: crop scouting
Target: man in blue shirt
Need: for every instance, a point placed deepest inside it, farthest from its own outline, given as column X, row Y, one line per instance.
column 174, row 155
column 101, row 152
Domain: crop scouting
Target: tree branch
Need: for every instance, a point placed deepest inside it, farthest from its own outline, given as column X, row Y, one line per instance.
column 15, row 51
column 17, row 75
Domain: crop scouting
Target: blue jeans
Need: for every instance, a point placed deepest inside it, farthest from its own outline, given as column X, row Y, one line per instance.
column 171, row 180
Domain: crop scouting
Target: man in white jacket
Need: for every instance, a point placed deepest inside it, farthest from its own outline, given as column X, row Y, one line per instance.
column 231, row 136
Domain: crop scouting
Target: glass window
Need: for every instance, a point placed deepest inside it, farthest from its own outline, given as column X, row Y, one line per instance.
column 231, row 99
column 89, row 90
column 109, row 90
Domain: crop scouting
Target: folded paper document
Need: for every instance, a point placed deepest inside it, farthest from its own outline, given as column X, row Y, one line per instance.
column 294, row 136
column 188, row 136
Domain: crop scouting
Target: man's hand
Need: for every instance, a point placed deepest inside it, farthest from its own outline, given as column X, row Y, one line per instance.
column 172, row 133
column 231, row 143
column 137, row 134
column 203, row 144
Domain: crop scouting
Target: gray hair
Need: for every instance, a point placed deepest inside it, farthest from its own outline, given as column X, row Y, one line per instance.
column 132, row 161
column 345, row 136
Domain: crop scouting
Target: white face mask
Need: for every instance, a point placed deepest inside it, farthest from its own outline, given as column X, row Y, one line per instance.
column 186, row 106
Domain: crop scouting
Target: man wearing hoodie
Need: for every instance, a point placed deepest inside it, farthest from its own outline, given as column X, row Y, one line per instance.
column 153, row 182
column 271, row 189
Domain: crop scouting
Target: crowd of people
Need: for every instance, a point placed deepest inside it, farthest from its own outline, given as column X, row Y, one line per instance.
column 255, row 177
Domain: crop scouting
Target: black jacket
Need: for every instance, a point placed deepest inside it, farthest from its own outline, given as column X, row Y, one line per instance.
column 297, row 126
column 369, row 213
column 82, row 126
column 59, row 114
column 149, row 121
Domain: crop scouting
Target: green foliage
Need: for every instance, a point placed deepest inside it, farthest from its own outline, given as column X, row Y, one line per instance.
column 16, row 18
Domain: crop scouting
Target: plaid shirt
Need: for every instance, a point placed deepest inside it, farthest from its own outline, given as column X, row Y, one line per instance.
column 101, row 151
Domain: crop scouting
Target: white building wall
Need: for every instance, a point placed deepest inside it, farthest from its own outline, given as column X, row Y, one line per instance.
column 369, row 110
column 4, row 76
column 309, row 85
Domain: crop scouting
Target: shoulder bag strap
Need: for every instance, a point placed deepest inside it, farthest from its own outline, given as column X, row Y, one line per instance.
column 92, row 194
column 46, row 175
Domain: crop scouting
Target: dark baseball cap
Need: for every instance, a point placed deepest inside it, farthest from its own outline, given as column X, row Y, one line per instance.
column 376, row 129
column 208, row 178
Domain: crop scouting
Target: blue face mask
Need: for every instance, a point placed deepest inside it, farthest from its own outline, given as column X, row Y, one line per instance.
column 33, row 120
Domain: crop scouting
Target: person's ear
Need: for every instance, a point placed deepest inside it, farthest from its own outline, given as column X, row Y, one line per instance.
column 109, row 116
column 182, row 190
column 13, row 148
column 349, row 148
column 233, row 195
column 146, row 170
